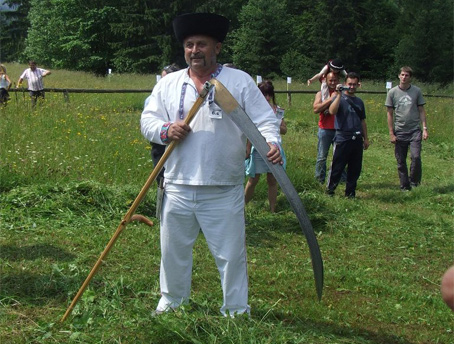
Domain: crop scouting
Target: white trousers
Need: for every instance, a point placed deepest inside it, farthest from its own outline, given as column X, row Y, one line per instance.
column 219, row 212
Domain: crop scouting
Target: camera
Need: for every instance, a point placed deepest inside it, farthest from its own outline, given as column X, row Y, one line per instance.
column 343, row 88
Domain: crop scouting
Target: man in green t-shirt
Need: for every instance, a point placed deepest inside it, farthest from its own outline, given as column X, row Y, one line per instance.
column 405, row 110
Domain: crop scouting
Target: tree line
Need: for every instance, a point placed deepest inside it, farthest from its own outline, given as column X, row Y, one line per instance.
column 267, row 37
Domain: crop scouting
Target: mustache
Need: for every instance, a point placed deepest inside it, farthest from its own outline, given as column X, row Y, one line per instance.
column 197, row 56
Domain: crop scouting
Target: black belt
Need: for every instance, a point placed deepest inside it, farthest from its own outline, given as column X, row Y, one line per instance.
column 353, row 134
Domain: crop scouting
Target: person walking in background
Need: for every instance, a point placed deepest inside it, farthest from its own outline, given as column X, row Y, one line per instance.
column 255, row 165
column 35, row 83
column 351, row 136
column 326, row 129
column 5, row 85
column 405, row 114
column 204, row 175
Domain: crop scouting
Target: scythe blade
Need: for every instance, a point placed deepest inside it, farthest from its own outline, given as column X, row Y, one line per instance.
column 224, row 99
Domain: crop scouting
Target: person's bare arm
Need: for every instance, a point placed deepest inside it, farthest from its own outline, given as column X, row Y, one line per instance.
column 315, row 77
column 318, row 75
column 423, row 118
column 320, row 106
column 389, row 113
column 283, row 127
column 248, row 149
column 9, row 81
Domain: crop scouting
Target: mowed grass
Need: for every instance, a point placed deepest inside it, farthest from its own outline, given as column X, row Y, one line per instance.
column 70, row 171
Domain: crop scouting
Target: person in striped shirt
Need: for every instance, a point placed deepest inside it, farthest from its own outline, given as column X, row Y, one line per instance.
column 35, row 83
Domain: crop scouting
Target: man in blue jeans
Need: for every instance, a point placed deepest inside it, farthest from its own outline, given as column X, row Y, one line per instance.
column 326, row 129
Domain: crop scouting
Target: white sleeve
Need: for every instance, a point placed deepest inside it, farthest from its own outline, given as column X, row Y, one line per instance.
column 153, row 116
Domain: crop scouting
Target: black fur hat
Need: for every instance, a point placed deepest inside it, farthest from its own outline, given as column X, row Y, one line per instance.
column 208, row 24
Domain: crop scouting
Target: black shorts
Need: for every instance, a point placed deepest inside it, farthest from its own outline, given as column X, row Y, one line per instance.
column 4, row 95
column 36, row 94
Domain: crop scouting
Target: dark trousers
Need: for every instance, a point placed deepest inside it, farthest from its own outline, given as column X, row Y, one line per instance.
column 157, row 151
column 403, row 143
column 346, row 153
column 34, row 95
column 4, row 96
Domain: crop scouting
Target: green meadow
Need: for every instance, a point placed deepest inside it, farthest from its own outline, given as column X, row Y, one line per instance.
column 70, row 170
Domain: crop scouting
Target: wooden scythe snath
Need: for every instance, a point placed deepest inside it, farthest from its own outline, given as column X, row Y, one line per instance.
column 130, row 214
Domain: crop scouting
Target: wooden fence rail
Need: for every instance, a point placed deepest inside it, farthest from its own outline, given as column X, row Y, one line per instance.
column 67, row 91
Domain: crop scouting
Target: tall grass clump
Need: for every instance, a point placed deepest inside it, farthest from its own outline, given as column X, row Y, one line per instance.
column 92, row 137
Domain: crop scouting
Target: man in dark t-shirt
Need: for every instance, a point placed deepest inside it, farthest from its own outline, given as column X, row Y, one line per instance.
column 351, row 135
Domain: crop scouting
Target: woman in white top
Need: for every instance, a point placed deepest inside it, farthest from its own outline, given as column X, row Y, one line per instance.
column 5, row 84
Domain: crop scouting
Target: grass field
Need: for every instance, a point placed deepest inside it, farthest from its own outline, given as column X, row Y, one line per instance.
column 70, row 171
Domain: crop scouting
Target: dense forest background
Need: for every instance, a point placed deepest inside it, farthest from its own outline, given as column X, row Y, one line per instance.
column 267, row 37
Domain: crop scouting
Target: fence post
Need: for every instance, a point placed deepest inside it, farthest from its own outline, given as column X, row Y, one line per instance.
column 66, row 95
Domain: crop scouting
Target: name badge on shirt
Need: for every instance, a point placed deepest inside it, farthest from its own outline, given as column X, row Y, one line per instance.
column 215, row 111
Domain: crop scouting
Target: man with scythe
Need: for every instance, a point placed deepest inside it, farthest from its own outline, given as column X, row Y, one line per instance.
column 205, row 173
